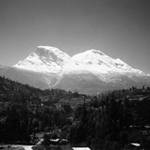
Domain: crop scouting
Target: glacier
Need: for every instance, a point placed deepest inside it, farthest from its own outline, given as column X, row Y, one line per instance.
column 89, row 72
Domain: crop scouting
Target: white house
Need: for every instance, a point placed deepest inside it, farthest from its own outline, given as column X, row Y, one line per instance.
column 81, row 148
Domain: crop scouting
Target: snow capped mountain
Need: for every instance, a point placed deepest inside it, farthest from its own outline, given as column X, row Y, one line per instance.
column 104, row 67
column 44, row 59
column 97, row 61
column 88, row 72
column 47, row 59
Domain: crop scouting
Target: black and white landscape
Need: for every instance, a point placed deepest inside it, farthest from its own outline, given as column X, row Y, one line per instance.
column 74, row 75
column 89, row 72
column 87, row 101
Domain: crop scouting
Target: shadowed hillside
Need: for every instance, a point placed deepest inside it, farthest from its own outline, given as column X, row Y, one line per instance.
column 108, row 121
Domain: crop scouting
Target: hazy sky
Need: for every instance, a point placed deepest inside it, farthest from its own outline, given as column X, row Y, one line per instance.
column 120, row 28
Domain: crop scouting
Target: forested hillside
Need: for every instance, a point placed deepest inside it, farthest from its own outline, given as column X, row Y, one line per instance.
column 108, row 121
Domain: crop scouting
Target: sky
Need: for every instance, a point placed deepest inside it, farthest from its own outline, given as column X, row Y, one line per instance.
column 119, row 28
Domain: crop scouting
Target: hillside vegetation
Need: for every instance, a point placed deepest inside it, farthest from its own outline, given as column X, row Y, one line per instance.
column 108, row 121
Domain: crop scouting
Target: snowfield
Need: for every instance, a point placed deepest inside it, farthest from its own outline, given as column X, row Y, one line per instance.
column 89, row 72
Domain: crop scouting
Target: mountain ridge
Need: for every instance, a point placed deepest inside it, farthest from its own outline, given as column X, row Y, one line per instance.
column 53, row 54
column 86, row 72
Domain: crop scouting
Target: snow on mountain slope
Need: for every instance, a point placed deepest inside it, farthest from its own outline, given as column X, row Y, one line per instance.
column 47, row 59
column 101, row 65
column 98, row 62
column 87, row 72
column 44, row 59
column 35, row 79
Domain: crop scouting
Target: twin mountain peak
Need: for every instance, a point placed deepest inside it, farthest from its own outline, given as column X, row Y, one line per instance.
column 47, row 59
column 89, row 72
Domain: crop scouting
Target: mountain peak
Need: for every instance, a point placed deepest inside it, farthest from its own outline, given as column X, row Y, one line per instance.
column 95, row 51
column 47, row 48
column 98, row 61
column 45, row 59
column 87, row 72
column 48, row 59
column 47, row 51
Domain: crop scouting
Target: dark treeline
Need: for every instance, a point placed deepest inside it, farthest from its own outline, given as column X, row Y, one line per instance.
column 109, row 121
